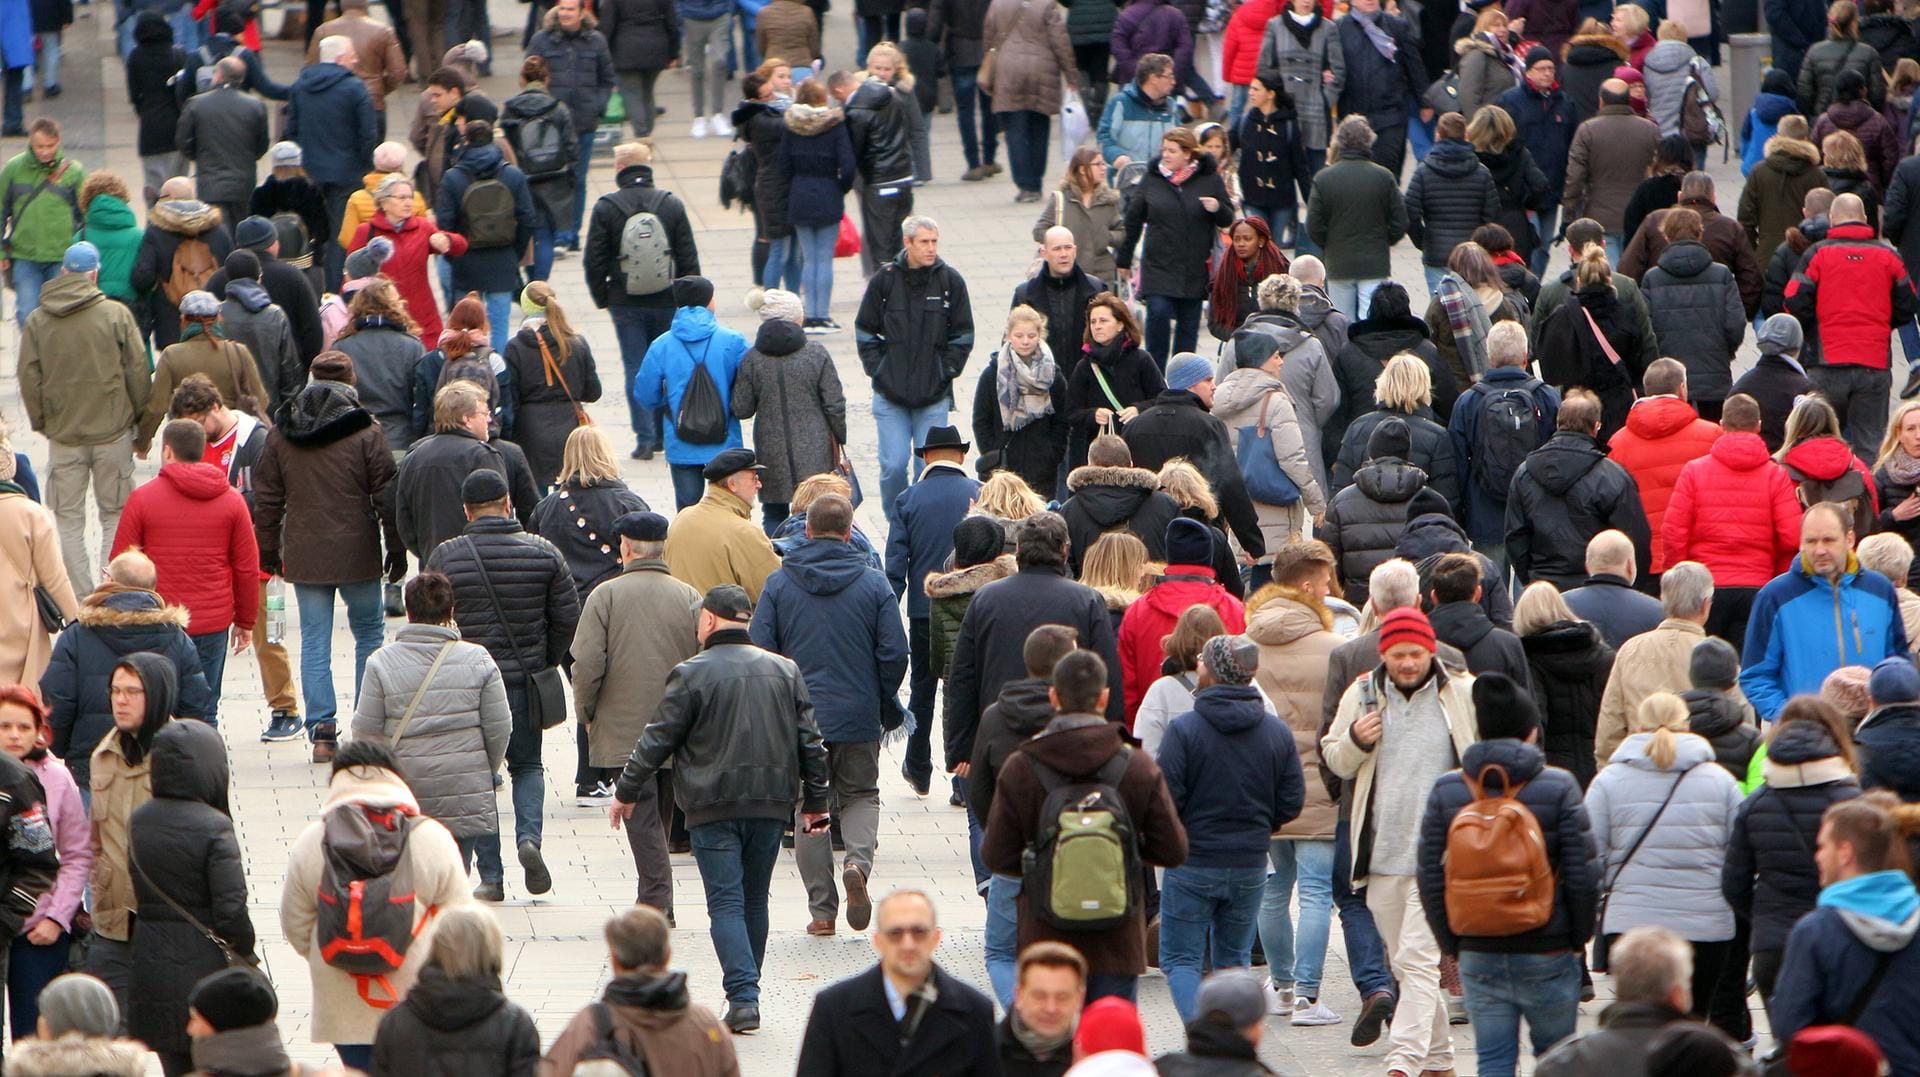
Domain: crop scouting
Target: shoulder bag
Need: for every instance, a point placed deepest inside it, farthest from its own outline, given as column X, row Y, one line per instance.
column 546, row 699
column 234, row 958
column 1599, row 963
column 51, row 619
column 406, row 719
column 1267, row 482
column 555, row 374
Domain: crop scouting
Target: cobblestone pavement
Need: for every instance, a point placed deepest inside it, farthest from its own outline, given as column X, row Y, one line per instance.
column 556, row 961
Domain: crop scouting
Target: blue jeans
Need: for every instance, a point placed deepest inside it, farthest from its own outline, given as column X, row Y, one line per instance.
column 1503, row 988
column 1236, row 104
column 1027, row 135
column 1003, row 936
column 736, row 859
column 901, row 428
column 1352, row 297
column 28, row 279
column 186, row 28
column 30, row 969
column 529, row 787
column 1112, row 985
column 967, row 101
column 637, row 328
column 1616, row 243
column 357, row 1056
column 689, row 484
column 366, row 616
column 212, row 648
column 1196, row 903
column 572, row 236
column 1366, row 953
column 49, row 68
column 1547, row 222
column 1279, row 220
column 787, row 264
column 499, row 311
column 1168, row 316
column 1433, row 274
column 542, row 265
column 1297, row 961
column 816, row 266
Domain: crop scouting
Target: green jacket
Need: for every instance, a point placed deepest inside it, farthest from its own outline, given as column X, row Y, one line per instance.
column 951, row 592
column 111, row 226
column 40, row 225
column 1356, row 215
column 83, row 368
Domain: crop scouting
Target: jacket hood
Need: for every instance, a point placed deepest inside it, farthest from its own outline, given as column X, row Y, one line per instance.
column 1283, row 620
column 1242, row 392
column 1564, row 460
column 1111, row 495
column 1792, row 156
column 1463, row 624
column 1801, row 742
column 190, row 763
column 187, row 216
column 1453, row 158
column 1384, row 337
column 128, row 608
column 667, row 991
column 1661, row 416
column 1230, row 708
column 1429, row 534
column 779, row 337
column 371, row 786
column 1823, row 458
column 69, row 294
column 824, row 566
column 1686, row 258
column 449, row 1005
column 692, row 325
column 1075, row 744
column 965, row 581
column 1769, row 107
column 1025, row 706
column 200, row 481
column 250, row 294
column 321, row 77
column 1172, row 597
column 254, row 1051
column 163, row 688
column 1712, row 713
column 1594, row 48
column 108, row 213
column 1562, row 645
column 528, row 104
column 1668, row 57
column 1314, row 308
column 1880, row 908
column 1522, row 761
column 322, row 413
column 1390, row 481
column 483, row 162
column 813, row 119
column 1689, row 751
column 1281, row 325
column 1740, row 451
column 1777, row 83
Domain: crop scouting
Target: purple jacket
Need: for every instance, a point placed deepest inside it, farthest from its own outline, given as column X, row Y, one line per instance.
column 1150, row 26
column 71, row 839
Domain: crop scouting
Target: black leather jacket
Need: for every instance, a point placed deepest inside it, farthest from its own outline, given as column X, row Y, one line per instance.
column 738, row 725
column 878, row 124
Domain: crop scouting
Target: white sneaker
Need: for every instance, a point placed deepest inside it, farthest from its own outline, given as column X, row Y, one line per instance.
column 1313, row 1013
column 1279, row 999
column 719, row 126
column 699, row 128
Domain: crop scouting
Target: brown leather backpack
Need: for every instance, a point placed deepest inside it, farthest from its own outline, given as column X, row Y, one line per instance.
column 1499, row 882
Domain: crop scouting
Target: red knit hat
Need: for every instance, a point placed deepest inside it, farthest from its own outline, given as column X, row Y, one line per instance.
column 1110, row 1024
column 1834, row 1051
column 1406, row 625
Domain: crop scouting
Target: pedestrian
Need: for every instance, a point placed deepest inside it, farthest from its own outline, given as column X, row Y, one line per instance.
column 1178, row 425
column 298, row 210
column 1256, row 403
column 669, row 371
column 1112, row 377
column 1035, row 1039
column 1184, row 199
column 1585, row 332
column 1779, row 186
column 1672, row 160
column 1366, row 520
column 498, row 225
column 1547, row 520
column 1655, row 968
column 539, row 129
column 383, row 341
column 1851, row 113
column 1189, row 580
column 1143, row 111
column 1657, row 660
column 581, row 74
column 450, row 101
column 366, row 781
column 1589, row 58
column 1545, row 116
column 646, row 1006
column 1403, row 391
column 1777, row 379
column 1060, row 289
column 331, row 103
column 1458, row 619
column 1389, row 329
column 1020, row 404
column 40, row 225
column 790, row 383
column 759, row 120
column 184, row 243
column 879, row 128
column 1663, row 434
column 378, row 58
column 1356, row 215
column 223, row 132
column 190, row 885
column 1032, row 56
column 1569, row 664
column 714, row 540
column 1714, row 712
column 1300, row 49
column 544, row 418
column 816, row 160
column 1248, row 260
column 1825, row 468
column 285, row 283
column 1450, row 195
column 1891, row 556
column 1287, row 311
column 1486, row 62
column 1468, row 298
column 961, row 30
column 1882, row 737
column 1697, row 314
column 1524, row 189
column 32, row 565
column 110, row 226
column 1842, row 51
column 1607, row 598
column 250, row 318
column 151, row 67
column 203, row 349
column 1383, row 73
column 40, row 948
column 1609, row 156
column 641, row 38
column 1845, row 164
column 456, row 1020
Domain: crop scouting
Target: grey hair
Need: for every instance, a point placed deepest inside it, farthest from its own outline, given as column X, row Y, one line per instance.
column 331, row 47
column 393, row 182
column 1507, row 344
column 1609, row 549
column 913, row 226
column 1353, row 138
column 467, row 944
column 1393, row 584
column 1685, row 589
column 1309, row 270
column 648, row 551
column 1279, row 292
column 1648, row 963
column 1888, row 554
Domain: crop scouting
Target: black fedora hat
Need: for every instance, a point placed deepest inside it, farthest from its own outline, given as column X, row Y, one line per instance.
column 942, row 437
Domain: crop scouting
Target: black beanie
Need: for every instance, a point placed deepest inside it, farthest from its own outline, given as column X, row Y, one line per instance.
column 977, row 540
column 1390, row 438
column 1503, row 708
column 234, row 998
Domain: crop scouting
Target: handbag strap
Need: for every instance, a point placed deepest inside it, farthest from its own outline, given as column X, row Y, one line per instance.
column 420, row 693
column 1104, row 387
column 1865, row 996
column 552, row 368
column 210, row 934
column 1621, row 868
column 500, row 611
column 1605, row 344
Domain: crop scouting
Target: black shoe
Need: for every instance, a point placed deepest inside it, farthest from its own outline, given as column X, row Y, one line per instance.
column 539, row 880
column 13, row 132
column 395, row 606
column 744, row 1017
column 1912, row 388
column 493, row 892
column 920, row 785
column 326, row 742
column 679, row 848
column 955, row 800
column 1374, row 1012
column 53, row 91
column 283, row 725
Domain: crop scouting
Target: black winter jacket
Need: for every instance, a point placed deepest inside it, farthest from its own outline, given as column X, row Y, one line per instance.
column 1274, row 172
column 1064, row 302
column 635, row 191
column 183, row 846
column 642, row 35
column 1366, row 519
column 580, row 69
column 1173, row 258
column 591, row 549
column 1889, row 744
column 1726, row 725
column 1430, row 449
column 1023, row 710
column 1103, row 499
column 1770, row 877
column 1489, row 649
column 112, row 624
column 1017, row 1060
column 1179, row 425
column 536, row 607
column 1697, row 314
column 1428, row 537
column 1375, row 85
column 1569, row 664
column 1554, row 798
column 1371, row 342
column 1568, row 339
column 1032, row 452
column 1451, row 194
column 914, row 331
column 150, row 67
column 456, row 1028
column 1130, row 372
column 1212, row 1051
column 1775, row 383
column 1564, row 493
column 1656, row 192
column 426, row 491
column 1545, row 122
column 289, row 289
column 738, row 727
column 1522, row 187
column 29, row 863
column 879, row 126
column 762, row 125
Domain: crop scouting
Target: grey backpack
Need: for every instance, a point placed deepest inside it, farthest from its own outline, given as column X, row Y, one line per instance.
column 646, row 252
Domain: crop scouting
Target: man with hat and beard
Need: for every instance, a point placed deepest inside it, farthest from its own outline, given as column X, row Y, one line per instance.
column 715, row 540
column 738, row 724
column 286, row 286
column 512, row 594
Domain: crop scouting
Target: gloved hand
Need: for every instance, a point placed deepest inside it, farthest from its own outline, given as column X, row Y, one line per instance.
column 396, row 565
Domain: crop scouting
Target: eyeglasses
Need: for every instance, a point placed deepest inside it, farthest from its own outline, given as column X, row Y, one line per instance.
column 915, row 931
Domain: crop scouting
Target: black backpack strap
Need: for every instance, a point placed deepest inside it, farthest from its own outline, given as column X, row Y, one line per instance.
column 602, row 1020
column 1865, row 997
column 1115, row 768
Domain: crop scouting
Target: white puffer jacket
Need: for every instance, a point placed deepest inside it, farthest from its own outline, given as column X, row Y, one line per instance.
column 1673, row 880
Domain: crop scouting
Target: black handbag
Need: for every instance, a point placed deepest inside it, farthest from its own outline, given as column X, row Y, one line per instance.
column 234, row 958
column 51, row 619
column 546, row 697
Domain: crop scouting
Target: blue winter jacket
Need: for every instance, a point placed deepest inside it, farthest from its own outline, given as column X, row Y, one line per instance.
column 331, row 115
column 702, row 9
column 836, row 618
column 696, row 336
column 1803, row 628
column 113, row 624
column 1831, row 956
column 1234, row 773
column 1545, row 122
column 1132, row 125
column 486, row 269
column 1486, row 514
column 1763, row 119
column 928, row 511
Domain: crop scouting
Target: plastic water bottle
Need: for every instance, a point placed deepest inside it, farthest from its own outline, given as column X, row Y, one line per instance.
column 276, row 610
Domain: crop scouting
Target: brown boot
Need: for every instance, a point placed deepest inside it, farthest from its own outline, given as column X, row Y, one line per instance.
column 821, row 929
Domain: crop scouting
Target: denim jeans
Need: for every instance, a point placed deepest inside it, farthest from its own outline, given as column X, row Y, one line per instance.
column 1366, row 954
column 1503, row 988
column 1547, row 222
column 1433, row 275
column 1027, row 135
column 689, row 484
column 30, row 969
column 874, row 29
column 637, row 328
column 1353, row 297
column 212, row 649
column 1196, row 903
column 736, row 858
column 1290, row 959
column 357, row 1056
column 366, row 616
column 901, row 428
column 585, row 164
column 1179, row 318
column 28, row 279
column 979, row 144
column 499, row 311
column 1112, row 985
column 787, row 263
column 1280, row 220
column 816, row 267
column 49, row 60
column 1003, row 936
column 542, row 266
column 187, row 30
column 529, row 786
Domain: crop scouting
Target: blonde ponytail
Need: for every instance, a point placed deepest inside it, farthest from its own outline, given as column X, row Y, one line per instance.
column 1593, row 268
column 1665, row 716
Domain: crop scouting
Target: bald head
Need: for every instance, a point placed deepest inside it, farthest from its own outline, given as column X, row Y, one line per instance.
column 230, row 71
column 1060, row 250
column 1309, row 270
column 389, row 157
column 180, row 188
column 1613, row 92
column 1697, row 185
column 1848, row 209
column 1610, row 553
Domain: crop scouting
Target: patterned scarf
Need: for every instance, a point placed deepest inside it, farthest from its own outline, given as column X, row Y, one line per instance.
column 1903, row 469
column 1024, row 387
column 1467, row 317
column 1180, row 177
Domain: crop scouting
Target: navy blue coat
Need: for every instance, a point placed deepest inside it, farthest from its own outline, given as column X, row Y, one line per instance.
column 1486, row 518
column 1770, row 878
column 1553, row 796
column 1826, row 966
column 1234, row 774
column 331, row 115
column 928, row 511
column 1610, row 604
column 1889, row 745
column 836, row 618
column 1375, row 85
column 110, row 627
column 494, row 269
column 816, row 157
column 1545, row 122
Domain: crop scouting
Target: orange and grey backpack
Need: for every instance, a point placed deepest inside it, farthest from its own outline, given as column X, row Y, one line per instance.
column 1499, row 882
column 367, row 901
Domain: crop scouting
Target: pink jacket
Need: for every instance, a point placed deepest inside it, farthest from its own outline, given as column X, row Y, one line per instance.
column 70, row 839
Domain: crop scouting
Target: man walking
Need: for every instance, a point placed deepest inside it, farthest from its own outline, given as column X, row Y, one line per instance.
column 695, row 342
column 377, row 57
column 715, row 540
column 1607, row 598
column 224, row 133
column 835, row 616
column 427, row 509
column 1504, row 416
column 83, row 381
column 39, row 224
column 485, row 198
column 330, row 114
column 1566, row 492
column 185, row 241
column 1605, row 164
column 914, row 332
column 512, row 594
column 883, row 153
column 1384, row 72
column 1060, row 291
column 1658, row 660
column 738, row 724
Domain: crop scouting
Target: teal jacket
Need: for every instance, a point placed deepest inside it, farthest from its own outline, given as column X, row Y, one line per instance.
column 1804, row 627
column 112, row 227
column 1133, row 126
column 41, row 223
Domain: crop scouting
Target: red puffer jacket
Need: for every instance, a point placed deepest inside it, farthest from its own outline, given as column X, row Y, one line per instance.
column 407, row 267
column 198, row 532
column 1825, row 469
column 1152, row 617
column 1856, row 288
column 1240, row 50
column 1663, row 435
column 1734, row 511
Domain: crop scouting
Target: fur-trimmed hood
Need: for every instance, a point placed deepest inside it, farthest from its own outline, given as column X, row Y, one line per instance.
column 1794, row 147
column 813, row 119
column 965, row 581
column 1597, row 41
column 552, row 21
column 1134, row 477
column 115, row 606
column 904, row 83
column 72, row 1054
column 1119, row 598
column 184, row 216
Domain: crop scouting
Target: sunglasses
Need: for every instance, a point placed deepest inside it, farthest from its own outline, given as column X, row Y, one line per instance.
column 915, row 931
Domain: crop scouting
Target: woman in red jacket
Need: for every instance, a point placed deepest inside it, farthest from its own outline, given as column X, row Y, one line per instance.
column 1663, row 434
column 1189, row 581
column 414, row 239
column 1822, row 464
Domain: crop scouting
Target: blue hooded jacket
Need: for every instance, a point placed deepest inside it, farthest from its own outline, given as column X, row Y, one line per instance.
column 836, row 617
column 1234, row 774
column 1831, row 956
column 330, row 115
column 1804, row 627
column 695, row 336
column 1762, row 121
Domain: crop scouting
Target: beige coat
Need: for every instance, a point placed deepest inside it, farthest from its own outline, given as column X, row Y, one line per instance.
column 339, row 1014
column 29, row 557
column 633, row 630
column 119, row 788
column 1910, row 617
column 1656, row 661
column 715, row 541
column 1296, row 641
column 1032, row 56
column 1346, row 758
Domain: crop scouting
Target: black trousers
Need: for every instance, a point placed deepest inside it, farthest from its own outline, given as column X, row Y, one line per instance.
column 882, row 211
column 1732, row 606
column 1390, row 148
column 922, row 682
column 1728, row 1011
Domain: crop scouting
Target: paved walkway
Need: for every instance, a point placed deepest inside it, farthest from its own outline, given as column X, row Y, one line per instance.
column 556, row 961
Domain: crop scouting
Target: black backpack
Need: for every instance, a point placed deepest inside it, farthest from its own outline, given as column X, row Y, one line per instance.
column 703, row 415
column 487, row 214
column 1509, row 429
column 608, row 1055
column 737, row 178
column 543, row 139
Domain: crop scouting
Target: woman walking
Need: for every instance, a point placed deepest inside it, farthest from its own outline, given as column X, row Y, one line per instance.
column 643, row 36
column 1184, row 200
column 288, row 189
column 537, row 125
column 1487, row 64
column 1248, row 259
column 816, row 157
column 1469, row 299
column 1581, row 337
column 552, row 373
column 1569, row 664
column 1275, row 172
column 415, row 238
column 1087, row 207
column 41, row 951
column 760, row 121
column 1020, row 406
column 578, row 516
column 457, row 1022
column 789, row 386
column 1522, row 186
column 1112, row 378
column 1842, row 51
column 1303, row 48
column 383, row 343
column 1031, row 56
column 29, row 559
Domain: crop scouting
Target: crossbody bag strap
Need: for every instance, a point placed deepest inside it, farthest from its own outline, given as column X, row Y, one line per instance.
column 210, row 934
column 500, row 611
column 1605, row 344
column 1621, row 868
column 1104, row 387
column 420, row 693
column 552, row 367
column 1865, row 998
